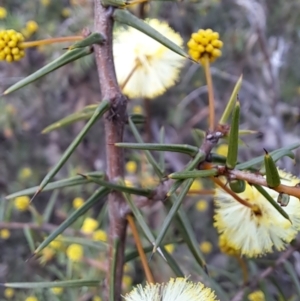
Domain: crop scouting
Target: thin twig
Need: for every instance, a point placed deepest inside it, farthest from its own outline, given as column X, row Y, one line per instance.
column 140, row 249
column 211, row 100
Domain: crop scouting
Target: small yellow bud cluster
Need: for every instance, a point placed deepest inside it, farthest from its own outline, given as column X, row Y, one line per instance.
column 205, row 43
column 11, row 45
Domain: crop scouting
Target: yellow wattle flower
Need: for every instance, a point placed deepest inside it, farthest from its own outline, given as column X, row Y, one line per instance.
column 131, row 166
column 57, row 290
column 256, row 296
column 89, row 225
column 256, row 233
column 100, row 235
column 75, row 252
column 206, row 247
column 11, row 48
column 3, row 12
column 22, row 203
column 205, row 43
column 176, row 289
column 32, row 26
column 144, row 67
column 4, row 234
column 9, row 293
column 77, row 202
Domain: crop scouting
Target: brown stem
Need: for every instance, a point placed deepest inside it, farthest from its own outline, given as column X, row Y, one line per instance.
column 51, row 41
column 114, row 128
column 211, row 100
column 140, row 249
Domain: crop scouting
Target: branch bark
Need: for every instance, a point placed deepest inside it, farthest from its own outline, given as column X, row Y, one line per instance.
column 114, row 128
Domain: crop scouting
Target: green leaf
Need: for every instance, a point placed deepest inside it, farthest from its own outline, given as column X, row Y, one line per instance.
column 137, row 118
column 191, row 165
column 276, row 155
column 73, row 181
column 172, row 263
column 193, row 174
column 272, row 175
column 291, row 271
column 98, row 196
column 231, row 102
column 187, row 233
column 68, row 283
column 139, row 217
column 112, row 274
column 120, row 187
column 149, row 157
column 170, row 216
column 93, row 38
column 66, row 58
column 125, row 17
column 86, row 113
column 272, row 201
column 178, row 148
column 29, row 238
column 50, row 205
column 101, row 109
column 233, row 145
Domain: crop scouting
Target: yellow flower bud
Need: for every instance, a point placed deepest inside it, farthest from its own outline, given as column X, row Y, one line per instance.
column 205, row 44
column 3, row 12
column 4, row 234
column 75, row 252
column 10, row 45
column 9, row 293
column 32, row 26
column 22, row 203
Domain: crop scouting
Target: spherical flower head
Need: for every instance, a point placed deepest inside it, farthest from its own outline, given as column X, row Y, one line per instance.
column 145, row 67
column 4, row 234
column 31, row 298
column 178, row 289
column 25, row 173
column 22, row 203
column 201, row 205
column 11, row 48
column 100, row 235
column 3, row 12
column 257, row 232
column 57, row 290
column 9, row 293
column 131, row 167
column 75, row 252
column 205, row 43
column 96, row 298
column 32, row 26
column 206, row 247
column 170, row 248
column 77, row 202
column 89, row 225
column 256, row 296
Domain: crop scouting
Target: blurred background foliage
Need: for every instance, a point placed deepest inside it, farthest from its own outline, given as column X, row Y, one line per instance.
column 261, row 41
